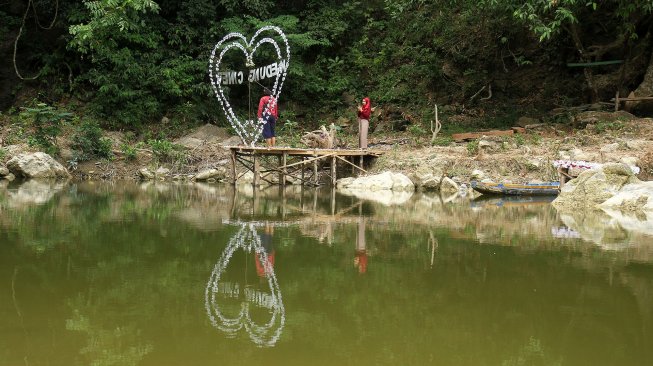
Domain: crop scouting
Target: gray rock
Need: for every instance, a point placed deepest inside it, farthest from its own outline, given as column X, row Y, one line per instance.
column 36, row 165
column 3, row 171
column 9, row 177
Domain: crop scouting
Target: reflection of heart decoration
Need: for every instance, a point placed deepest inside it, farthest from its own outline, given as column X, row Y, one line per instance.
column 248, row 130
column 265, row 335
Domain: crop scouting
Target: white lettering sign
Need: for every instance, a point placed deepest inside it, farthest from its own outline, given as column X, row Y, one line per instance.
column 265, row 72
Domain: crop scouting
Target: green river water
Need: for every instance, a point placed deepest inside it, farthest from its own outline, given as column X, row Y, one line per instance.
column 163, row 274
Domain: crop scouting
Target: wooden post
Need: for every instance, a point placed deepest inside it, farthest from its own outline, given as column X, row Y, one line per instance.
column 284, row 159
column 334, row 166
column 362, row 160
column 233, row 165
column 616, row 102
column 333, row 201
column 303, row 175
column 315, row 178
column 257, row 171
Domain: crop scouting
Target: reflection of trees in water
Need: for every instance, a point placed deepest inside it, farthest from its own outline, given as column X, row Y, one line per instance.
column 218, row 293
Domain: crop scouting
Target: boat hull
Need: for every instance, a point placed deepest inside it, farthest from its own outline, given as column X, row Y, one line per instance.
column 508, row 189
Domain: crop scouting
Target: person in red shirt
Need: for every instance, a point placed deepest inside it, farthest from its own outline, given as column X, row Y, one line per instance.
column 268, row 113
column 364, row 112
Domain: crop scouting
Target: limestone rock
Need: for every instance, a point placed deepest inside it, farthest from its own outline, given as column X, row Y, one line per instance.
column 610, row 148
column 3, row 171
column 595, row 186
column 448, row 186
column 478, row 174
column 632, row 197
column 36, row 165
column 426, row 180
column 218, row 174
column 630, row 160
column 162, row 172
column 384, row 181
column 146, row 174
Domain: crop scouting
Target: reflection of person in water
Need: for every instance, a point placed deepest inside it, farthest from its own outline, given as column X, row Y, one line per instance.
column 360, row 257
column 268, row 247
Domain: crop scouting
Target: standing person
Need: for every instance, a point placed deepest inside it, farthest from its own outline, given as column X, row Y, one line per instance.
column 269, row 113
column 364, row 112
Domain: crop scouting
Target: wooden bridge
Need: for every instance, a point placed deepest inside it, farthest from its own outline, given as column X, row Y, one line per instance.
column 299, row 164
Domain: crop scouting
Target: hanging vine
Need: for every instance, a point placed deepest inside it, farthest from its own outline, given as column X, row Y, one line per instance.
column 30, row 4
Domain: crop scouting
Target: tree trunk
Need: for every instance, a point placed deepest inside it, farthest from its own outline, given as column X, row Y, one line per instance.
column 645, row 89
column 587, row 72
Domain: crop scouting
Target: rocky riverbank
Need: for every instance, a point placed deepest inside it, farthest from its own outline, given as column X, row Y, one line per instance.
column 601, row 137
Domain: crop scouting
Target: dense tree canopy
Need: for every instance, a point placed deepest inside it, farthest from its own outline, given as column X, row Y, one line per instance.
column 133, row 61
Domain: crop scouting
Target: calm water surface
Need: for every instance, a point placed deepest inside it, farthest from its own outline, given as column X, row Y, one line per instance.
column 127, row 274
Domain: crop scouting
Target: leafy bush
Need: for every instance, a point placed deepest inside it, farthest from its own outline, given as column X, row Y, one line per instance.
column 129, row 151
column 164, row 150
column 89, row 141
column 3, row 154
column 46, row 122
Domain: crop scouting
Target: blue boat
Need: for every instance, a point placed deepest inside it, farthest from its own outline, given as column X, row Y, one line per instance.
column 509, row 189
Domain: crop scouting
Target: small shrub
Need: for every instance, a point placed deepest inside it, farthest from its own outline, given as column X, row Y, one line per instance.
column 165, row 150
column 3, row 154
column 519, row 139
column 89, row 141
column 443, row 141
column 604, row 126
column 417, row 130
column 46, row 122
column 472, row 147
column 129, row 151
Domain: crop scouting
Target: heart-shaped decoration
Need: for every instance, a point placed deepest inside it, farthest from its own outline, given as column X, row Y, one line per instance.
column 265, row 335
column 249, row 130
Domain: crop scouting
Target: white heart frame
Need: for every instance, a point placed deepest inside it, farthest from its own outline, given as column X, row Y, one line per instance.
column 249, row 131
column 265, row 335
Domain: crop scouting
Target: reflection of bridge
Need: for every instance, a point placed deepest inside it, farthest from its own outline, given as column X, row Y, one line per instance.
column 301, row 165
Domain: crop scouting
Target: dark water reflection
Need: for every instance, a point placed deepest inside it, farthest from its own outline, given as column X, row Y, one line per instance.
column 156, row 274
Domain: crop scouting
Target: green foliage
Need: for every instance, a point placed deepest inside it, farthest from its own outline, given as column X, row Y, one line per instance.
column 46, row 122
column 3, row 154
column 165, row 150
column 417, row 130
column 89, row 141
column 519, row 139
column 129, row 151
column 443, row 141
column 472, row 147
column 604, row 126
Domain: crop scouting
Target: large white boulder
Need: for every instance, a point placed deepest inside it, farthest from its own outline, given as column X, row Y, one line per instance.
column 595, row 186
column 632, row 197
column 36, row 165
column 380, row 182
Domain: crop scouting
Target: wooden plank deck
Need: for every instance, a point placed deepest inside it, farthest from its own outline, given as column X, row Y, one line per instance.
column 293, row 163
